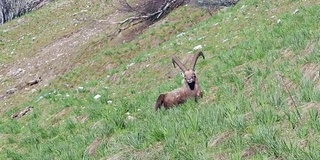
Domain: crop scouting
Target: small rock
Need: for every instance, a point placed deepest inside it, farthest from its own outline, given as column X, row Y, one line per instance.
column 41, row 97
column 197, row 47
column 98, row 96
column 19, row 70
column 295, row 11
column 181, row 34
column 130, row 118
column 131, row 64
column 80, row 89
column 279, row 21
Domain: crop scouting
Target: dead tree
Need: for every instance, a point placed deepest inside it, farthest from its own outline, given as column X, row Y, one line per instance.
column 22, row 113
column 146, row 11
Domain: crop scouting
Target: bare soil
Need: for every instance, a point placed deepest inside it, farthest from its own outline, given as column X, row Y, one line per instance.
column 54, row 60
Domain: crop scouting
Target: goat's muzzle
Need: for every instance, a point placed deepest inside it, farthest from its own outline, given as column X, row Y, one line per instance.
column 191, row 80
column 191, row 85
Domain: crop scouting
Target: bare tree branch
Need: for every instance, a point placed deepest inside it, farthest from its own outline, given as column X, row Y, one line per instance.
column 148, row 11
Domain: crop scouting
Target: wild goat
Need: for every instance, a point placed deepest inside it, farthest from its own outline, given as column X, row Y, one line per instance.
column 190, row 88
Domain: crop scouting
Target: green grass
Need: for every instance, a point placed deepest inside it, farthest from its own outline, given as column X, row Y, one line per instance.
column 246, row 112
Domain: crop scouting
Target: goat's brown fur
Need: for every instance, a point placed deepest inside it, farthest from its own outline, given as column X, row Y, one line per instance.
column 190, row 89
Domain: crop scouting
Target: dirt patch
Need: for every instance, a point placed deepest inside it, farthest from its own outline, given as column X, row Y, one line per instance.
column 52, row 60
column 55, row 59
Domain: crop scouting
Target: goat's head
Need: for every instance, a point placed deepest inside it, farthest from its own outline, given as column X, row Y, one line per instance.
column 189, row 74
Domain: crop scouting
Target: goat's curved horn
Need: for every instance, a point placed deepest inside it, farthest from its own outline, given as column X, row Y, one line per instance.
column 195, row 59
column 180, row 65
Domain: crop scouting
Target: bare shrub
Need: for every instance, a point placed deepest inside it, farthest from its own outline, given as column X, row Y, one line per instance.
column 150, row 11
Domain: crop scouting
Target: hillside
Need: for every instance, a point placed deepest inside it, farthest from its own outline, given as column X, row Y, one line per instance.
column 260, row 79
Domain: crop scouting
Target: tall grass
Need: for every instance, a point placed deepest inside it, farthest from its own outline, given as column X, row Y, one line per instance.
column 245, row 113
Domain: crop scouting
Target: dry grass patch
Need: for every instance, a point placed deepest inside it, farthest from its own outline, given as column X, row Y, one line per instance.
column 308, row 50
column 252, row 150
column 286, row 55
column 94, row 146
column 311, row 71
column 309, row 106
column 60, row 115
column 118, row 156
column 216, row 140
column 149, row 153
column 82, row 118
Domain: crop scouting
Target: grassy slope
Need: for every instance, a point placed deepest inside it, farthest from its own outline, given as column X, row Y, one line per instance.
column 25, row 35
column 254, row 67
